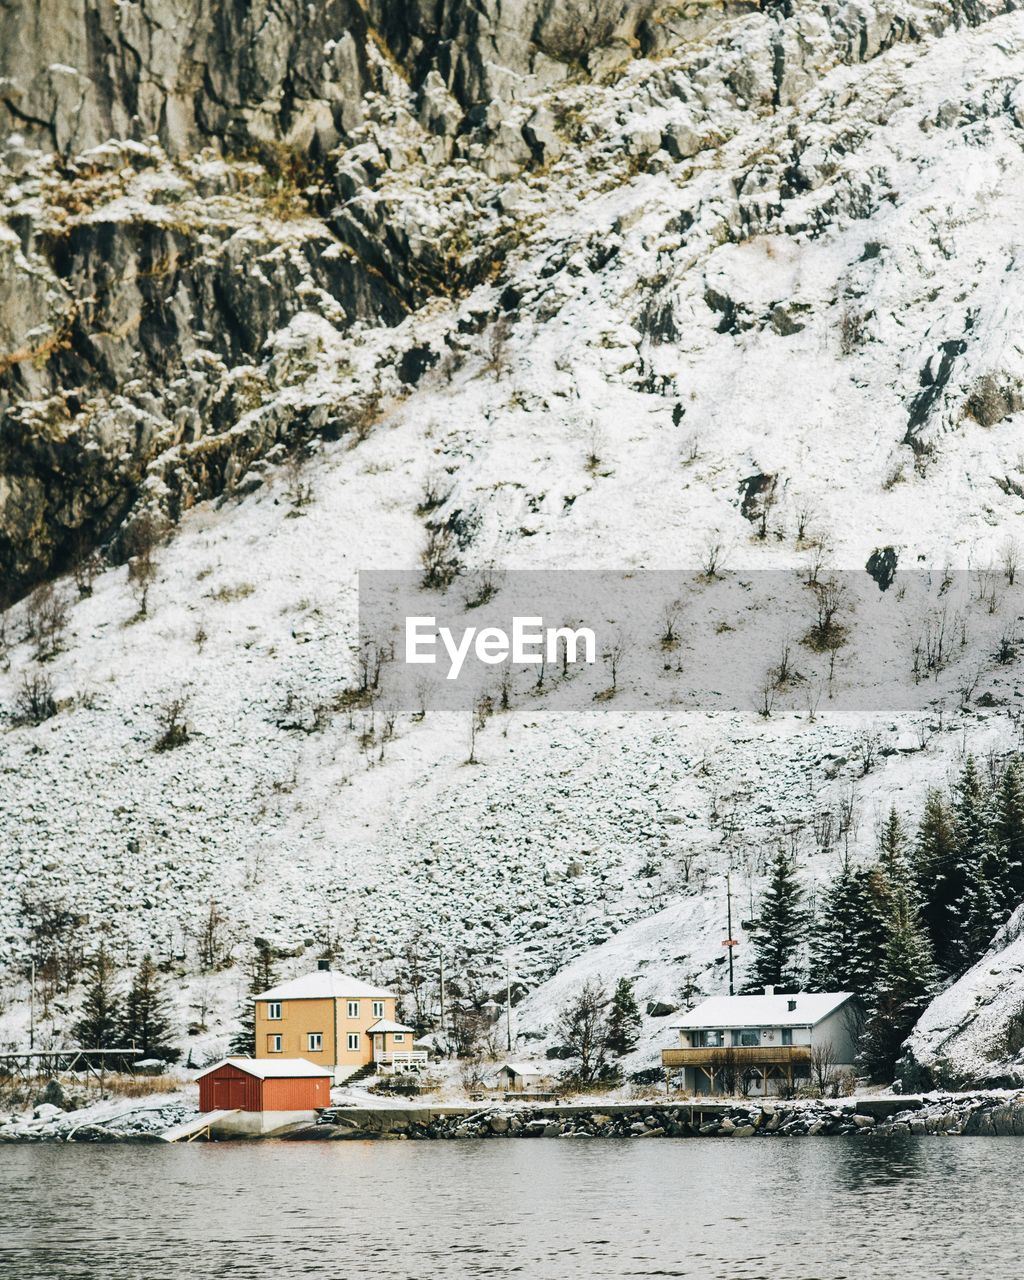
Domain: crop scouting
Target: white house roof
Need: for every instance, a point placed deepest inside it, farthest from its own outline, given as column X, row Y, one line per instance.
column 385, row 1024
column 269, row 1068
column 325, row 984
column 764, row 1011
column 523, row 1069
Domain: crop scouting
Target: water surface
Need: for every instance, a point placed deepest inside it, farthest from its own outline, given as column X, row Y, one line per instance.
column 793, row 1209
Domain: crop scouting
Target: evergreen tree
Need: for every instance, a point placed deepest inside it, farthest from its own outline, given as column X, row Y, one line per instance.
column 892, row 851
column 849, row 940
column 100, row 1022
column 781, row 930
column 908, row 978
column 1008, row 830
column 147, row 1022
column 933, row 856
column 967, row 889
column 623, row 1020
column 261, row 974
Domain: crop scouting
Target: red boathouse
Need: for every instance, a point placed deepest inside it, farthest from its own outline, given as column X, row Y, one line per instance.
column 255, row 1084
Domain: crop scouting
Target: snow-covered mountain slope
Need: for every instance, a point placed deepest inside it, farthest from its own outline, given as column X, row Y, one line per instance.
column 574, row 326
column 974, row 1031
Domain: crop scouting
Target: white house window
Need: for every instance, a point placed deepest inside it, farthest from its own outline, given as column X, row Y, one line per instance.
column 274, row 1011
column 712, row 1039
column 378, row 1008
column 399, row 1037
column 787, row 1035
column 353, row 1008
column 746, row 1038
column 273, row 1044
column 314, row 1041
column 353, row 1041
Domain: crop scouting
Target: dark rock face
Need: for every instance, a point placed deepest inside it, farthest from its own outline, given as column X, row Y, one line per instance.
column 80, row 71
column 76, row 72
column 145, row 321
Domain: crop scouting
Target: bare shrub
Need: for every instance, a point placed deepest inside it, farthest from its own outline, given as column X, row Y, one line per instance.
column 212, row 944
column 480, row 712
column 712, row 558
column 86, row 565
column 615, row 655
column 823, row 1068
column 670, row 615
column 47, row 616
column 485, row 586
column 1009, row 556
column 595, row 448
column 172, row 724
column 830, row 598
column 768, row 498
column 298, row 481
column 439, row 558
column 852, row 330
column 141, row 541
column 498, row 355
column 436, row 492
column 34, row 701
column 766, row 694
column 805, row 517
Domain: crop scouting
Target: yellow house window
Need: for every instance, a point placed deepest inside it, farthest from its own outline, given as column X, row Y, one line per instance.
column 353, row 1008
column 274, row 1012
column 378, row 1008
column 314, row 1041
column 273, row 1044
column 353, row 1041
column 399, row 1037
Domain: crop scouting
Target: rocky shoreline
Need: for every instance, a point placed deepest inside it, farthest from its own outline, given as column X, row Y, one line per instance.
column 981, row 1114
column 970, row 1114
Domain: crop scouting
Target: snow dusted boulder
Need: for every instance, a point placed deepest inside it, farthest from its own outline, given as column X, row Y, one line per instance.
column 973, row 1033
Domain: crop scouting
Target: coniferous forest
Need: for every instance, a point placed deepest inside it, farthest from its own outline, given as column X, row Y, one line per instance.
column 896, row 930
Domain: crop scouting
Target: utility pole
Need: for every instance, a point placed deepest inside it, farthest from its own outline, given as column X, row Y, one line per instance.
column 730, row 942
column 508, row 1005
column 440, row 960
column 32, row 1007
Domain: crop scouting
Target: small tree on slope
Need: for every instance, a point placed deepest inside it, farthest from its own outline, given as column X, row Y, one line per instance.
column 781, row 929
column 908, row 980
column 100, row 1022
column 1008, row 830
column 583, row 1027
column 934, row 852
column 148, row 1023
column 261, row 977
column 623, row 1020
column 849, row 941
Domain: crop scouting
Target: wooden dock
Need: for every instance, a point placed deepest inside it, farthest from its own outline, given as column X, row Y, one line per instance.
column 199, row 1127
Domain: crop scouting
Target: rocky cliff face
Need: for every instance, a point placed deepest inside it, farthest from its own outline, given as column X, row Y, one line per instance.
column 181, row 180
column 135, row 277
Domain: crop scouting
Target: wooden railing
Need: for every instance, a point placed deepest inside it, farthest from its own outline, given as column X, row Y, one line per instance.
column 783, row 1055
column 402, row 1058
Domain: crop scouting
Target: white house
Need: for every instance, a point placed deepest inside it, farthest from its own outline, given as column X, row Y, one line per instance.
column 763, row 1044
column 522, row 1077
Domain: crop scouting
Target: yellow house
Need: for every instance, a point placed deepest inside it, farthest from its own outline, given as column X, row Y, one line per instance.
column 331, row 1019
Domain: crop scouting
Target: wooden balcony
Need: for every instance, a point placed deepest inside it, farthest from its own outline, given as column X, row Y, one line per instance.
column 765, row 1055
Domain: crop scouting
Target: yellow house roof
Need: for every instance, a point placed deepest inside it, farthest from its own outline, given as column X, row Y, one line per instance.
column 325, row 984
